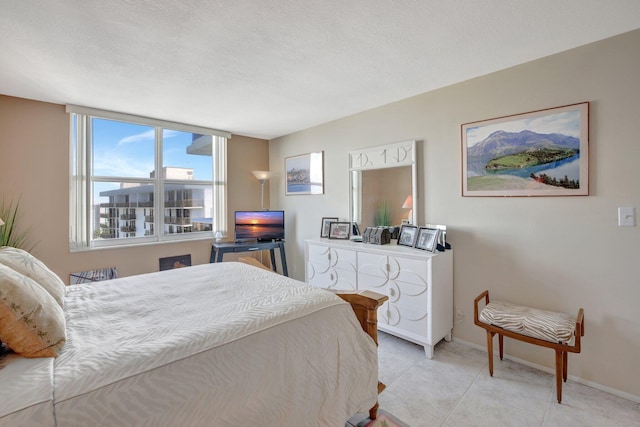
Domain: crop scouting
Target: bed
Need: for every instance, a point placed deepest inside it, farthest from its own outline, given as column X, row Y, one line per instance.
column 224, row 344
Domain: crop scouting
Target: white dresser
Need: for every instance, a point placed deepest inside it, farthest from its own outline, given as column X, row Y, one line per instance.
column 419, row 284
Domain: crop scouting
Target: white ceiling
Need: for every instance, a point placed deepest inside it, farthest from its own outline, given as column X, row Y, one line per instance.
column 266, row 68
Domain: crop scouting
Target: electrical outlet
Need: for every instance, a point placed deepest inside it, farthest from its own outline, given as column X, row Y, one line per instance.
column 626, row 217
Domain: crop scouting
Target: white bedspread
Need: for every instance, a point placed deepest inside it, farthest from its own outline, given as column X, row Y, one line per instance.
column 26, row 391
column 143, row 351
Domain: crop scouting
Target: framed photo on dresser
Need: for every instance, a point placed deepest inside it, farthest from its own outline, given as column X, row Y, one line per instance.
column 427, row 239
column 339, row 230
column 326, row 225
column 408, row 235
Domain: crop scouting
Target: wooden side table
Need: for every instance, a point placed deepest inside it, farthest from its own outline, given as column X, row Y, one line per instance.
column 219, row 249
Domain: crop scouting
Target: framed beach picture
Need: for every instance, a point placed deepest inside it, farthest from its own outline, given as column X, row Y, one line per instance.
column 540, row 153
column 305, row 174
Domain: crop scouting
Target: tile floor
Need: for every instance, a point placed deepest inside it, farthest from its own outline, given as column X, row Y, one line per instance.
column 455, row 389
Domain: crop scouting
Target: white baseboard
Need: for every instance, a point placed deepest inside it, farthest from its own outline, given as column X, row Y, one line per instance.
column 579, row 380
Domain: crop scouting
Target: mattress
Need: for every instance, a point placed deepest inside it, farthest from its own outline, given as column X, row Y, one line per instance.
column 26, row 391
column 221, row 344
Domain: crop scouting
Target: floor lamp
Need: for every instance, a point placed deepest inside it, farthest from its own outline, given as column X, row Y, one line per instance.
column 262, row 176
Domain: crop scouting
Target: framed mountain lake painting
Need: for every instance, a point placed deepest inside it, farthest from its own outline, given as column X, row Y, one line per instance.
column 540, row 153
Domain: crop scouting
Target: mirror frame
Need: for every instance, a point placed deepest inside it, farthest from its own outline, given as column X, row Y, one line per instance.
column 382, row 157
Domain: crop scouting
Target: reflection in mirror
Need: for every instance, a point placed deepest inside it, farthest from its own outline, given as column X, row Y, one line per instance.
column 383, row 196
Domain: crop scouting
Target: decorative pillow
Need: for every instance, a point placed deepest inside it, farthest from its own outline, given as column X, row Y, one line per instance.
column 31, row 321
column 25, row 263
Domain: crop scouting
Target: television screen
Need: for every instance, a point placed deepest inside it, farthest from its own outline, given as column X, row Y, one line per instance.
column 259, row 225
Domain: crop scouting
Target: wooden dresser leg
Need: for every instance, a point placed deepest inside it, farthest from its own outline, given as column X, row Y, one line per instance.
column 490, row 351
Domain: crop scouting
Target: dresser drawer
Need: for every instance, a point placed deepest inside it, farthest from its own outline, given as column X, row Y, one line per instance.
column 332, row 278
column 410, row 295
column 415, row 322
column 320, row 255
column 409, row 270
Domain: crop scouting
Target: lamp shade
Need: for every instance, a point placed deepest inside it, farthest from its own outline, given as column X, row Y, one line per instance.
column 408, row 203
column 262, row 175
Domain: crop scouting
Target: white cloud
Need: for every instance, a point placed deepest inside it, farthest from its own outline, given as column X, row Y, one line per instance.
column 116, row 166
column 148, row 135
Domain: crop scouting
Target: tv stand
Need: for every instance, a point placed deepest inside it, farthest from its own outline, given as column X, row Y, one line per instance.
column 219, row 249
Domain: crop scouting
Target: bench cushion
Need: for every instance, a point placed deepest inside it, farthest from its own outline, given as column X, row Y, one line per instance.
column 545, row 325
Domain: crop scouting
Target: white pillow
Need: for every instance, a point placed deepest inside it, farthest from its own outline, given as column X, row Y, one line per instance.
column 25, row 263
column 31, row 321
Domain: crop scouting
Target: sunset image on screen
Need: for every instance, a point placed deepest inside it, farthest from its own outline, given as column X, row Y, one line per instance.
column 261, row 225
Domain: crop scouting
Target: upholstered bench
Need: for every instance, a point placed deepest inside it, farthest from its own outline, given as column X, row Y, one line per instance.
column 558, row 331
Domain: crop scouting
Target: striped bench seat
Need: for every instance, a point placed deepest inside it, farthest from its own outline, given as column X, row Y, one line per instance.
column 541, row 327
column 545, row 325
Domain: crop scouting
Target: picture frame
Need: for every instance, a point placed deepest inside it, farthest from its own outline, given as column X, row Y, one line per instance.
column 304, row 174
column 326, row 222
column 408, row 235
column 339, row 230
column 427, row 239
column 355, row 230
column 91, row 276
column 442, row 235
column 539, row 153
column 179, row 261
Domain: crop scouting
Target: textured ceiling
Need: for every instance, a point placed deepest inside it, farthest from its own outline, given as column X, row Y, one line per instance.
column 268, row 68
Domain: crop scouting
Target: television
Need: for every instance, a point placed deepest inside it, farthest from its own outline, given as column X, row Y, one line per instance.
column 259, row 225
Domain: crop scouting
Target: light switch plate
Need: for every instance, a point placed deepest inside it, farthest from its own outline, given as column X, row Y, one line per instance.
column 626, row 217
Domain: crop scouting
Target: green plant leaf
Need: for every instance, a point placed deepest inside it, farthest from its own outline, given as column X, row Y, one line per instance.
column 10, row 234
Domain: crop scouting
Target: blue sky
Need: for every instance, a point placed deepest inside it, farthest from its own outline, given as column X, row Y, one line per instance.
column 127, row 150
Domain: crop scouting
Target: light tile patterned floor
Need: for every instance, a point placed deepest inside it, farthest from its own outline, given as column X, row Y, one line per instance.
column 455, row 389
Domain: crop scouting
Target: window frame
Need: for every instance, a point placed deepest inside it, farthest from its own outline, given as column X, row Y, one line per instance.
column 82, row 181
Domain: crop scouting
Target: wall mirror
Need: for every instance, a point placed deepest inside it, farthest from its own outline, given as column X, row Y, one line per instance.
column 383, row 183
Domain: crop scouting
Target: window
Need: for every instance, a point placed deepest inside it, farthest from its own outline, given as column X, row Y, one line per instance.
column 138, row 180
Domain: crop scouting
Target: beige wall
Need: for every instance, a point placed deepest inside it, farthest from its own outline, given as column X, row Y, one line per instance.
column 556, row 253
column 34, row 147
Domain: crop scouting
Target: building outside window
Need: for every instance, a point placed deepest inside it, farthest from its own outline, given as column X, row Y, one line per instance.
column 117, row 193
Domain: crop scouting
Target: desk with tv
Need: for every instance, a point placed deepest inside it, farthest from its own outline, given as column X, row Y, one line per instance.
column 219, row 249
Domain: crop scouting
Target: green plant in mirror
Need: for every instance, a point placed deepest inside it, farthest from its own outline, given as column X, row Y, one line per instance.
column 10, row 234
column 383, row 215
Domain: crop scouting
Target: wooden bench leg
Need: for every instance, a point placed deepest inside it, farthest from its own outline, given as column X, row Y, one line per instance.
column 564, row 366
column 490, row 351
column 501, row 345
column 559, row 373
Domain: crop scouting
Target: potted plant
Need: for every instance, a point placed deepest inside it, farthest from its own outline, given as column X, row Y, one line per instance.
column 9, row 232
